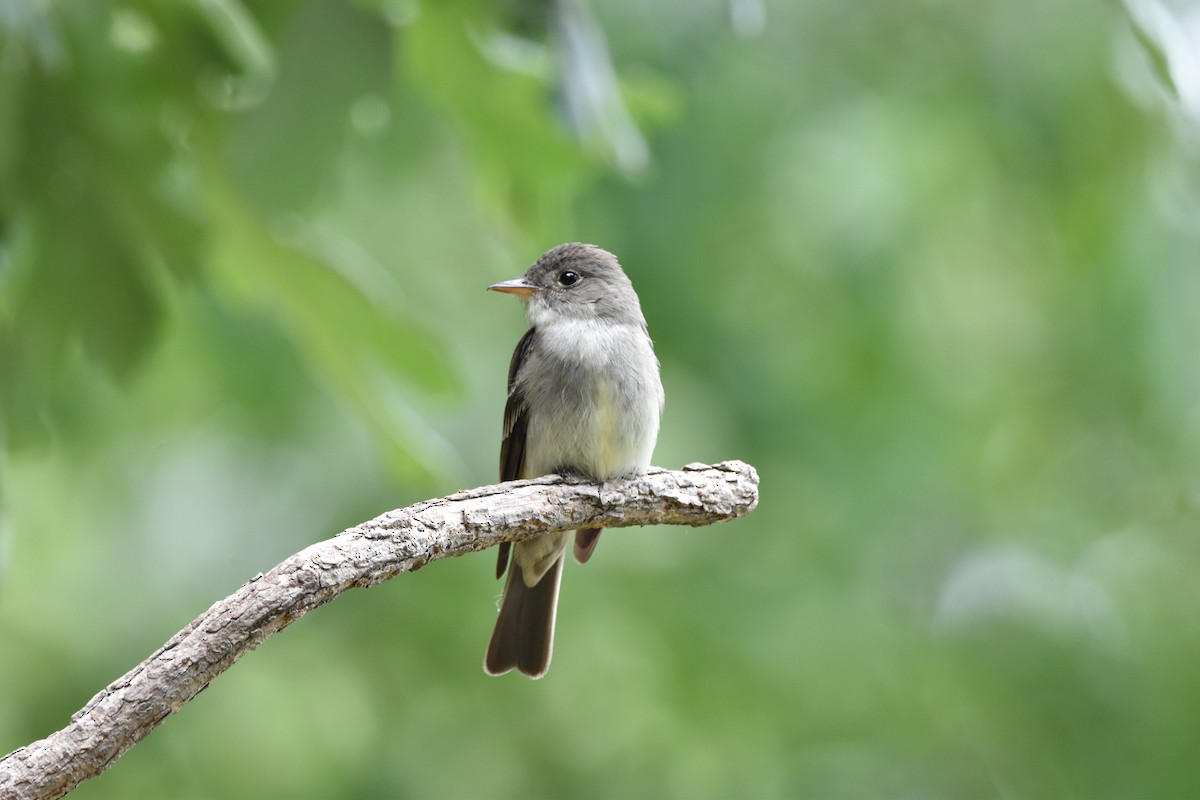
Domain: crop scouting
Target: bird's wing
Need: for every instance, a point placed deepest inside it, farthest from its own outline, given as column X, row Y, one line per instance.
column 516, row 424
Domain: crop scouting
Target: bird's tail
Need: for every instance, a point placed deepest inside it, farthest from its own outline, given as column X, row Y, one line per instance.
column 523, row 638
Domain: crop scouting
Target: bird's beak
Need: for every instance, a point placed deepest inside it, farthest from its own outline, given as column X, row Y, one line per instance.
column 516, row 286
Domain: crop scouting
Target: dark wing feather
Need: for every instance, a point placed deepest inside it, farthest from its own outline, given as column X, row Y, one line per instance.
column 585, row 543
column 516, row 423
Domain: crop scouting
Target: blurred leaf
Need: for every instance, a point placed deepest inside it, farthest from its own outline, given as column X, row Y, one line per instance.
column 348, row 335
column 286, row 150
column 92, row 227
column 527, row 164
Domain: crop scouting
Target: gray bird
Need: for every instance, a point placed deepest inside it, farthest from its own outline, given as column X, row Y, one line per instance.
column 584, row 399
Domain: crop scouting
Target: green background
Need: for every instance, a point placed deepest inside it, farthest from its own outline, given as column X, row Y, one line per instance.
column 930, row 266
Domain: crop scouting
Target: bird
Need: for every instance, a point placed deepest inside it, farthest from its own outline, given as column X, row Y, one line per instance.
column 584, row 399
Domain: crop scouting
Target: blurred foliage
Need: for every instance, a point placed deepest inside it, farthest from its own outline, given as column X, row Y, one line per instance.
column 928, row 265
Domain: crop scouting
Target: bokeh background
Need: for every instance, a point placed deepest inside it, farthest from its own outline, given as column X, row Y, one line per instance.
column 932, row 267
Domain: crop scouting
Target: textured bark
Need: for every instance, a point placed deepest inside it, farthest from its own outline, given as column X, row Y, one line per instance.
column 399, row 541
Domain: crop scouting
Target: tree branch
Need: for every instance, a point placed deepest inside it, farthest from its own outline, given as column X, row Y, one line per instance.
column 399, row 541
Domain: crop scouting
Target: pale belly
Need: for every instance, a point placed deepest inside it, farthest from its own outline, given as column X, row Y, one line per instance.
column 596, row 436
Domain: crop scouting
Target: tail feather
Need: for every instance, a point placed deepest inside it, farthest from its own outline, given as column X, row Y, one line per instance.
column 523, row 638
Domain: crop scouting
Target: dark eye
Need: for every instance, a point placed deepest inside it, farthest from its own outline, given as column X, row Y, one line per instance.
column 568, row 278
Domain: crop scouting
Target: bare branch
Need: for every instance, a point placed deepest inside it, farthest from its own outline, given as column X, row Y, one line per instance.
column 399, row 541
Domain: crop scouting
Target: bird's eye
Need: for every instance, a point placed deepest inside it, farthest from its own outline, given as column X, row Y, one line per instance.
column 568, row 278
